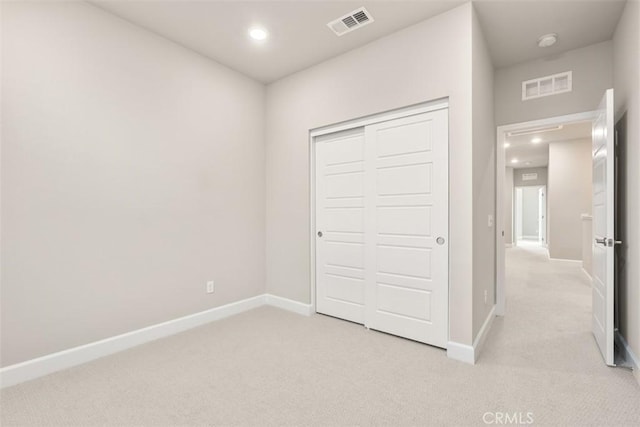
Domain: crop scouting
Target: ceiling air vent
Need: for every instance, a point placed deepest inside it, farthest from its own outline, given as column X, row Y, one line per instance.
column 548, row 85
column 351, row 21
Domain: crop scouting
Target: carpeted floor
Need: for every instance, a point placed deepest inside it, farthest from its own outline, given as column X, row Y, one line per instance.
column 270, row 367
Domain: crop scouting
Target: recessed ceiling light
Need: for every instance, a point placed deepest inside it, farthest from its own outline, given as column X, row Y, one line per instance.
column 514, row 160
column 536, row 140
column 258, row 34
column 547, row 40
column 507, row 145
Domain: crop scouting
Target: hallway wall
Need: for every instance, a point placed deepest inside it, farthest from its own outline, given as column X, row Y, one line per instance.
column 569, row 196
column 592, row 68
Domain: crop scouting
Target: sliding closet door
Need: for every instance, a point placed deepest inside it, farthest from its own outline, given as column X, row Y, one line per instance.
column 382, row 226
column 340, row 225
column 407, row 227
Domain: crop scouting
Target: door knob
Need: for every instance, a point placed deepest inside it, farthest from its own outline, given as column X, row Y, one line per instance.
column 319, row 233
column 602, row 241
column 440, row 240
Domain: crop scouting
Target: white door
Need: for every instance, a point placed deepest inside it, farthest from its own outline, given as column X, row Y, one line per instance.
column 542, row 220
column 382, row 226
column 407, row 256
column 340, row 223
column 603, row 227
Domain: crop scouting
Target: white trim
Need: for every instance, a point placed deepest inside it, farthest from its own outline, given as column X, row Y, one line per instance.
column 460, row 352
column 38, row 367
column 628, row 355
column 501, row 132
column 470, row 353
column 289, row 305
column 411, row 110
column 586, row 273
column 565, row 260
column 478, row 343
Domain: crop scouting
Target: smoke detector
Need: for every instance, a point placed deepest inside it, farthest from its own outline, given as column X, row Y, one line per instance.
column 547, row 40
column 351, row 21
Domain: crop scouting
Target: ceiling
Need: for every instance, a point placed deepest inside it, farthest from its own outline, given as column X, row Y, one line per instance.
column 300, row 38
column 298, row 32
column 512, row 28
column 532, row 155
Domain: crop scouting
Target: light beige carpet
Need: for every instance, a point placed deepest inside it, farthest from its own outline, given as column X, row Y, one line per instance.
column 270, row 367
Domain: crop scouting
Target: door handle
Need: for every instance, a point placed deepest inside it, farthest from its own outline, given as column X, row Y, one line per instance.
column 608, row 242
column 612, row 242
column 319, row 233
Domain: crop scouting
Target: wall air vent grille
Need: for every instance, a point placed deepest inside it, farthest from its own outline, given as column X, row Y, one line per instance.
column 351, row 21
column 545, row 86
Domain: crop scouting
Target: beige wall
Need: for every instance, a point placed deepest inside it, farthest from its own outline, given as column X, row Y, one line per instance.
column 569, row 195
column 508, row 206
column 519, row 182
column 592, row 68
column 627, row 99
column 132, row 172
column 427, row 61
column 484, row 179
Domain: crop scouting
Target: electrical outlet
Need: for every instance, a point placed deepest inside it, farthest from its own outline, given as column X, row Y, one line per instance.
column 210, row 287
column 486, row 297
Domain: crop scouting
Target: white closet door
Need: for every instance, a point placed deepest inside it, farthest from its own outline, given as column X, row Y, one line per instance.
column 382, row 226
column 406, row 229
column 340, row 288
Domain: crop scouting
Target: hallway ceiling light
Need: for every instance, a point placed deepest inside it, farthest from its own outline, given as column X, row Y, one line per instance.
column 258, row 34
column 536, row 140
column 547, row 40
column 507, row 145
column 514, row 160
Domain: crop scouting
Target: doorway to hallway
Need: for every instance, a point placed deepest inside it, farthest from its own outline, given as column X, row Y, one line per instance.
column 530, row 213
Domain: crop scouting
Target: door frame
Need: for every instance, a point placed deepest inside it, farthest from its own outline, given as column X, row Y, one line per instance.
column 411, row 110
column 501, row 133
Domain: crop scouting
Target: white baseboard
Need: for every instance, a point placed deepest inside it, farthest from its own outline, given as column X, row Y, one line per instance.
column 470, row 353
column 478, row 343
column 34, row 368
column 289, row 305
column 629, row 356
column 565, row 260
column 460, row 352
column 586, row 273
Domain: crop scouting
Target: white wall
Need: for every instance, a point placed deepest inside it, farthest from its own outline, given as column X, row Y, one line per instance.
column 626, row 56
column 592, row 76
column 484, row 179
column 427, row 61
column 569, row 196
column 132, row 172
column 508, row 206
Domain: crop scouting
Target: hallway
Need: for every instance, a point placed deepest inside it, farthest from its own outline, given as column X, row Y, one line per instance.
column 547, row 331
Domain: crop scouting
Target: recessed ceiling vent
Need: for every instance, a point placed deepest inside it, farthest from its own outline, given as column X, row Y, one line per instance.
column 351, row 21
